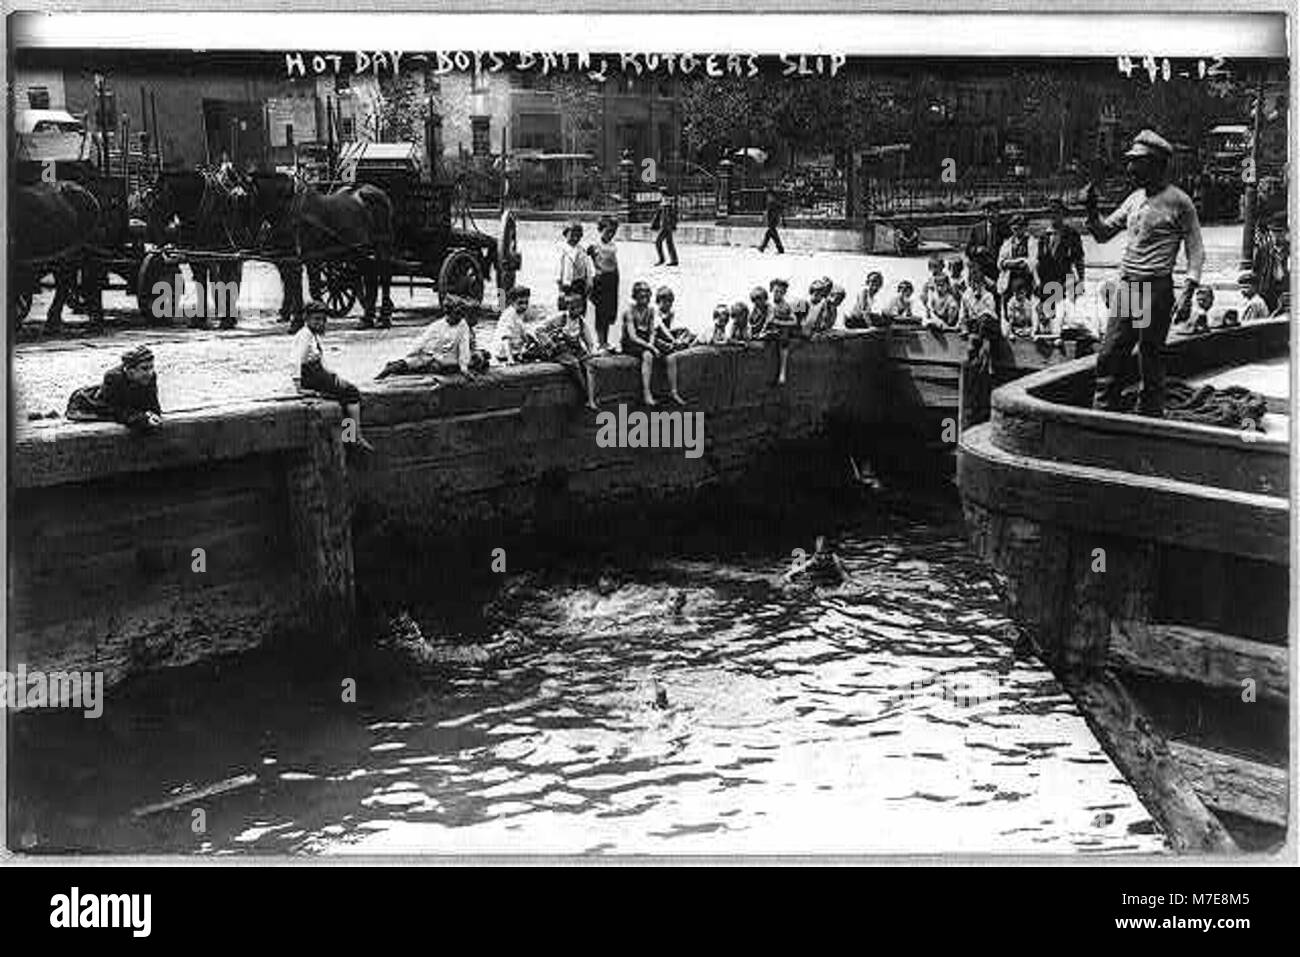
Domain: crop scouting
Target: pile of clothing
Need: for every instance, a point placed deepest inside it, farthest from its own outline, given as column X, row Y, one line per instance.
column 1233, row 407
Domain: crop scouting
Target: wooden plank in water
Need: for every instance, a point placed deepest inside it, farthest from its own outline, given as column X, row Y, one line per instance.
column 1235, row 785
column 1207, row 658
column 1144, row 758
column 212, row 790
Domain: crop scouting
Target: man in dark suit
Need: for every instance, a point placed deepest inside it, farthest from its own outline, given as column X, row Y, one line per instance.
column 665, row 224
column 1060, row 261
column 983, row 245
column 772, row 215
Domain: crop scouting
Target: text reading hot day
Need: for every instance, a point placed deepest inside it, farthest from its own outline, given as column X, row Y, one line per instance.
column 597, row 66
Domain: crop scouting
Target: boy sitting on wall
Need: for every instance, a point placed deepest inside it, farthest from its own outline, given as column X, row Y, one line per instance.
column 307, row 367
column 445, row 346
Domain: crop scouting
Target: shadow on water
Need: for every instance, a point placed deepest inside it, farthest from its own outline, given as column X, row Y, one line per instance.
column 664, row 690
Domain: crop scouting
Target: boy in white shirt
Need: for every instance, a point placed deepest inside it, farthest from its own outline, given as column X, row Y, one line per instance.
column 979, row 309
column 1253, row 307
column 510, row 327
column 443, row 347
column 308, row 370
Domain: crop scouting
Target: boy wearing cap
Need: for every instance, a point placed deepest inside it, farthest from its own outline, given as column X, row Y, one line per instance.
column 307, row 368
column 445, row 346
column 1159, row 218
column 128, row 394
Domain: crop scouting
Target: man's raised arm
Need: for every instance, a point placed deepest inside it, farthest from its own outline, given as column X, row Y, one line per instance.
column 1102, row 230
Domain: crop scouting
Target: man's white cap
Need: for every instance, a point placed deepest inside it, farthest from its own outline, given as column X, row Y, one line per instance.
column 1150, row 143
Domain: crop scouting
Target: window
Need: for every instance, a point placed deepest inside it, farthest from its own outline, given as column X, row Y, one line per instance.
column 478, row 81
column 480, row 127
column 38, row 97
column 538, row 131
column 347, row 128
column 288, row 135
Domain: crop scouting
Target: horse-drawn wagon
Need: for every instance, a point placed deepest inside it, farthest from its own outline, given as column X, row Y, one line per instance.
column 352, row 238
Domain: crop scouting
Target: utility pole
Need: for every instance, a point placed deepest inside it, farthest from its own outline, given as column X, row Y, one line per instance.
column 1251, row 174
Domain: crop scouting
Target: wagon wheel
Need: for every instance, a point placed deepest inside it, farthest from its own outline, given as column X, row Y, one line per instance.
column 461, row 275
column 155, row 268
column 342, row 279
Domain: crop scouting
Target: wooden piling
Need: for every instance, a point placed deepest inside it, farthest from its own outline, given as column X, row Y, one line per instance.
column 320, row 524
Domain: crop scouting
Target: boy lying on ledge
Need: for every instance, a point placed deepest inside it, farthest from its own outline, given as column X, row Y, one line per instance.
column 128, row 394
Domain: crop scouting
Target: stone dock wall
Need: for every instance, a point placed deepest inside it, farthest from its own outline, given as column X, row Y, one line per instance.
column 104, row 524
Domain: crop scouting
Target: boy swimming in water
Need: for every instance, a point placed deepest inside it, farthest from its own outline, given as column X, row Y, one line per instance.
column 822, row 568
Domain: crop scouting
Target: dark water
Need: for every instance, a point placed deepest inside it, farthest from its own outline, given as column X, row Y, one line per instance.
column 889, row 715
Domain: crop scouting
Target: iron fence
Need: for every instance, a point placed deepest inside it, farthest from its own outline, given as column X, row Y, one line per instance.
column 803, row 192
column 911, row 196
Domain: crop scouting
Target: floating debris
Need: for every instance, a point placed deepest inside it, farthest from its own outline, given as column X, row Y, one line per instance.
column 212, row 790
column 405, row 636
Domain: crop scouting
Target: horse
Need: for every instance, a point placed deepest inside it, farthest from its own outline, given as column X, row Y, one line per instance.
column 53, row 228
column 353, row 223
column 210, row 211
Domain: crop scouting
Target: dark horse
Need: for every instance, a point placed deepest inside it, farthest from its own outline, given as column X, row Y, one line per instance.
column 53, row 229
column 202, row 210
column 352, row 225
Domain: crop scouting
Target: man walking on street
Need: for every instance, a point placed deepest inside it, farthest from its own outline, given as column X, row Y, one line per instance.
column 1159, row 218
column 772, row 213
column 665, row 222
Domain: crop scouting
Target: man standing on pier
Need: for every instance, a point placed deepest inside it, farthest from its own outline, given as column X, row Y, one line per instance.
column 1159, row 217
